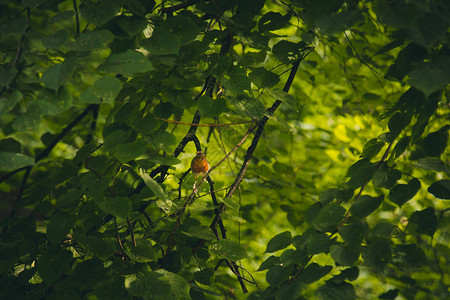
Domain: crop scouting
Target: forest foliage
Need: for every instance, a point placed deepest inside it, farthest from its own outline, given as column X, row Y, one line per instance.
column 325, row 122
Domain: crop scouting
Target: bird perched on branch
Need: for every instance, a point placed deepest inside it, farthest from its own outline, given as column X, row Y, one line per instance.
column 199, row 165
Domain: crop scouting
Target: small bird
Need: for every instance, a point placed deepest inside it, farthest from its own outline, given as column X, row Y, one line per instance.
column 199, row 165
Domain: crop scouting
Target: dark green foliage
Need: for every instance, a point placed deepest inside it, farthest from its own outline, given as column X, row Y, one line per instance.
column 325, row 124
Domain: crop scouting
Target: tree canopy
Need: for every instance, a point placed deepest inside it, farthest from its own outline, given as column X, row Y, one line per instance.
column 325, row 123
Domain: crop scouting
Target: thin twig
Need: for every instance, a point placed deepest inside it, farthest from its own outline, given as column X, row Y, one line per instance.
column 131, row 232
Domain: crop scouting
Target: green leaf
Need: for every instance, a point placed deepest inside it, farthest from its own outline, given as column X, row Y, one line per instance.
column 99, row 12
column 365, row 205
column 329, row 217
column 205, row 276
column 335, row 291
column 354, row 234
column 263, row 78
column 163, row 140
column 328, row 196
column 7, row 104
column 201, row 232
column 440, row 189
column 269, row 262
column 278, row 242
column 10, row 161
column 92, row 185
column 287, row 52
column 91, row 40
column 434, row 144
column 184, row 26
column 115, row 138
column 273, row 21
column 411, row 254
column 165, row 160
column 131, row 25
column 431, row 76
column 129, row 151
column 386, row 177
column 105, row 90
column 423, row 222
column 286, row 98
column 391, row 294
column 59, row 226
column 345, row 255
column 117, row 206
column 160, row 284
column 377, row 254
column 210, row 108
column 432, row 164
column 227, row 249
column 154, row 186
column 237, row 84
column 389, row 46
column 401, row 146
column 127, row 63
column 70, row 199
column 53, row 263
column 383, row 229
column 103, row 248
column 57, row 75
column 55, row 40
column 319, row 243
column 162, row 42
column 347, row 274
column 337, row 22
column 10, row 145
column 372, row 148
column 88, row 272
column 6, row 77
column 313, row 272
column 17, row 25
column 360, row 173
column 277, row 274
column 398, row 122
column 220, row 67
column 143, row 252
column 231, row 204
column 401, row 193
